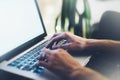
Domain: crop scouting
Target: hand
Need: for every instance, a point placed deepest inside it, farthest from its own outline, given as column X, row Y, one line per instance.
column 64, row 65
column 73, row 42
column 59, row 62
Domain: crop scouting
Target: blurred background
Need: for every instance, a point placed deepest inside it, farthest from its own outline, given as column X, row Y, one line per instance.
column 50, row 9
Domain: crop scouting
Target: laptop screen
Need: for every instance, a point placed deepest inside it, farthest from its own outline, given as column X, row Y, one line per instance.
column 19, row 22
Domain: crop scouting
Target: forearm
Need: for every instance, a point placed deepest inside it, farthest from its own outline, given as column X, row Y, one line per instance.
column 86, row 74
column 104, row 46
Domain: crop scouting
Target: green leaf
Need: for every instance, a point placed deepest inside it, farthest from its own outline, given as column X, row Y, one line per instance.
column 87, row 13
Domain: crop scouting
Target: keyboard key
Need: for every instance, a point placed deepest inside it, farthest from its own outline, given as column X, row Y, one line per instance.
column 39, row 69
column 29, row 60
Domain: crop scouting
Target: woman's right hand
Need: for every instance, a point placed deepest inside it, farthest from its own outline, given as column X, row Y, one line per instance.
column 73, row 42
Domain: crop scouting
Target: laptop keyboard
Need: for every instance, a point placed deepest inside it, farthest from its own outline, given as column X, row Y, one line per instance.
column 29, row 60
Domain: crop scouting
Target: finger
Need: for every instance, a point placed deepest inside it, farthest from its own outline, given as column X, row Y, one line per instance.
column 55, row 39
column 66, row 46
column 50, row 52
column 56, row 34
column 49, row 57
column 44, row 64
column 46, row 51
column 42, row 54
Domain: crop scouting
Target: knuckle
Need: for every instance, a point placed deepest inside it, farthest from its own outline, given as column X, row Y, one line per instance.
column 56, row 54
column 52, row 38
column 65, row 33
column 52, row 59
column 60, row 50
column 55, row 34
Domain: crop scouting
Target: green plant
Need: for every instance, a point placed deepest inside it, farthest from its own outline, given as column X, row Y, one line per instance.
column 68, row 14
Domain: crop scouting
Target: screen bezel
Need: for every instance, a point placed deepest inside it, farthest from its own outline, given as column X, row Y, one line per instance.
column 28, row 44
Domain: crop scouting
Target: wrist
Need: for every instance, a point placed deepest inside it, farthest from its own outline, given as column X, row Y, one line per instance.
column 76, row 74
column 84, row 73
column 102, row 46
column 93, row 45
column 81, row 73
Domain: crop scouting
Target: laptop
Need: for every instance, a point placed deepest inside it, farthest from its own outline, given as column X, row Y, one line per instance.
column 23, row 35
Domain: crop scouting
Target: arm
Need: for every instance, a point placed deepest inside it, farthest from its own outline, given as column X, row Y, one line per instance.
column 103, row 46
column 82, row 44
column 85, row 73
column 64, row 65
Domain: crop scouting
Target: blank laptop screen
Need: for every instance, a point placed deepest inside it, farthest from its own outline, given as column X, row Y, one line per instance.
column 19, row 23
